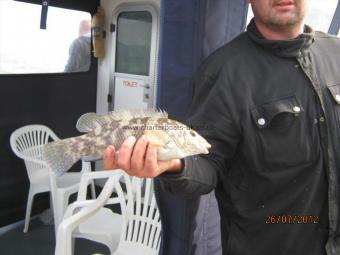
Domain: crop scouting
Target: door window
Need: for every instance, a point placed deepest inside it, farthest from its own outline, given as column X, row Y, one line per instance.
column 133, row 42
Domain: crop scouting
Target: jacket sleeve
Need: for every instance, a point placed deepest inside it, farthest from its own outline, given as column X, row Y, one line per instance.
column 213, row 114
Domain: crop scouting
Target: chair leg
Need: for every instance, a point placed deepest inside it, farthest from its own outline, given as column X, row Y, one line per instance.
column 64, row 242
column 29, row 208
column 59, row 209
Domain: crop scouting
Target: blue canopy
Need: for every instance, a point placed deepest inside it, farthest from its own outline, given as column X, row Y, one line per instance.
column 335, row 25
column 190, row 31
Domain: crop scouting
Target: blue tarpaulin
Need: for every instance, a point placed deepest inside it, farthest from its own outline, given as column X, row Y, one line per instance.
column 190, row 31
column 335, row 25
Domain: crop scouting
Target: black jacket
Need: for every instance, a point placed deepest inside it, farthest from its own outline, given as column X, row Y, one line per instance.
column 271, row 110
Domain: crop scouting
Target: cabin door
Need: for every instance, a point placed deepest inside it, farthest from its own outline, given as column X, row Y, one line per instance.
column 133, row 82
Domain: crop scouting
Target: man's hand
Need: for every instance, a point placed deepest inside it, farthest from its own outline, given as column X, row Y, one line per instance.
column 139, row 159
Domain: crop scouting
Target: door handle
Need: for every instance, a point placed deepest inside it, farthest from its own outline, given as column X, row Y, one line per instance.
column 147, row 86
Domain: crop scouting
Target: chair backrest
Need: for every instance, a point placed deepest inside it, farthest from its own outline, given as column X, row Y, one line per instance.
column 143, row 224
column 27, row 142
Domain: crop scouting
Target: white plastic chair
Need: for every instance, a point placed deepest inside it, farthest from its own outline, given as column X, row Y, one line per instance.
column 27, row 142
column 104, row 226
column 139, row 227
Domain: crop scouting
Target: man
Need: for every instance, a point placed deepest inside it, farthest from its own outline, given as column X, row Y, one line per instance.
column 80, row 50
column 271, row 98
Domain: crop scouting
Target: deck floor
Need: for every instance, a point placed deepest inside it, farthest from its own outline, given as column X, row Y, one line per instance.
column 40, row 240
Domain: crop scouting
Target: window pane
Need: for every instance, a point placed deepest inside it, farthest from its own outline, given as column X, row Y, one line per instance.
column 250, row 14
column 320, row 14
column 25, row 48
column 133, row 42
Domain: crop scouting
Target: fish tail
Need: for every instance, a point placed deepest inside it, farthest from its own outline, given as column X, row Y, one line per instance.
column 60, row 156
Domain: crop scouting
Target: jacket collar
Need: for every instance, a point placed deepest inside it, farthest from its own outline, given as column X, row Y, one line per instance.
column 283, row 48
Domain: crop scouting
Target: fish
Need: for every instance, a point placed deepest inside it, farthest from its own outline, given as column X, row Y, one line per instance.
column 172, row 138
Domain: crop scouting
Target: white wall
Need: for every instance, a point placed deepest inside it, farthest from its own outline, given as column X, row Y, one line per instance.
column 104, row 65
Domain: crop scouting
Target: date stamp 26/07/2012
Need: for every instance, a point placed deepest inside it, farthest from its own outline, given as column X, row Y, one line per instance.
column 292, row 219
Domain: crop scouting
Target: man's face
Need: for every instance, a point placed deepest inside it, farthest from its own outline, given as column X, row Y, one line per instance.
column 279, row 14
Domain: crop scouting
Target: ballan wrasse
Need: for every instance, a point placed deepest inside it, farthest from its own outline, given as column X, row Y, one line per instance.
column 172, row 138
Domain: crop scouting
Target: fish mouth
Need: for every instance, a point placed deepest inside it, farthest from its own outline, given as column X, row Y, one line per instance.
column 206, row 149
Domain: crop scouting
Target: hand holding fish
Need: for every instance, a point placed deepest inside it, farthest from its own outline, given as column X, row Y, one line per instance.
column 139, row 158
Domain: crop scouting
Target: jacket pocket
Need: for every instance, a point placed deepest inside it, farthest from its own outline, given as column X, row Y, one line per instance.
column 334, row 89
column 283, row 134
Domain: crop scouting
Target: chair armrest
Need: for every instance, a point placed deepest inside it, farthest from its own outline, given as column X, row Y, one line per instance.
column 75, row 205
column 80, row 204
column 89, row 176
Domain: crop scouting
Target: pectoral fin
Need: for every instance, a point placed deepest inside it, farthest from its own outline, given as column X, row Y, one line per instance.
column 156, row 137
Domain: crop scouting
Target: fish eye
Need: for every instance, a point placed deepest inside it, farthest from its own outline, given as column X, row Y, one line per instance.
column 192, row 133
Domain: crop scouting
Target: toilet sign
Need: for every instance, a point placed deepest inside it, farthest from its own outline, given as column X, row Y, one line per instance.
column 132, row 83
column 131, row 93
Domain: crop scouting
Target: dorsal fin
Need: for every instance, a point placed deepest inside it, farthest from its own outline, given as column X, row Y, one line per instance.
column 89, row 121
column 137, row 113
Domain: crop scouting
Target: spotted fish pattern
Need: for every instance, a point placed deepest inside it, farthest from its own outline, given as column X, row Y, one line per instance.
column 172, row 138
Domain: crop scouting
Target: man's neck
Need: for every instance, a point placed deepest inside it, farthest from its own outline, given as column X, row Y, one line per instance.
column 277, row 34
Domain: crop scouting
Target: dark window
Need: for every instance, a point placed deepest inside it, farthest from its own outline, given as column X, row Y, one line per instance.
column 133, row 42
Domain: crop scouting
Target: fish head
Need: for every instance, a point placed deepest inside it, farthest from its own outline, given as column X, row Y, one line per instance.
column 174, row 139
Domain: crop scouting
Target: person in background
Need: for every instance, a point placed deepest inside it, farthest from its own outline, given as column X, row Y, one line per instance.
column 80, row 50
column 272, row 98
